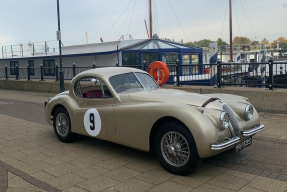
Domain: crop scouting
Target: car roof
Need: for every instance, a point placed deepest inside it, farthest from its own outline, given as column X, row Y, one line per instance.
column 107, row 72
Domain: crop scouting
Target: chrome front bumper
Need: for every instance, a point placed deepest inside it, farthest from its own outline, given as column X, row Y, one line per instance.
column 235, row 140
column 252, row 131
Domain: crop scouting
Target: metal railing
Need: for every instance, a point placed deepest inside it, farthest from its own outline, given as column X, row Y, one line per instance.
column 265, row 75
column 31, row 49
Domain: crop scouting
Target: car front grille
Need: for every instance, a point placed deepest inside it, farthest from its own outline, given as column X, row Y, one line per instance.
column 233, row 119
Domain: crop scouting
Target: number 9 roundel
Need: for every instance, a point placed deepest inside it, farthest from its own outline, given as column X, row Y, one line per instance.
column 92, row 122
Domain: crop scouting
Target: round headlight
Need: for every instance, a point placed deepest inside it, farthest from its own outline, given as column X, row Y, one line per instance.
column 248, row 112
column 224, row 120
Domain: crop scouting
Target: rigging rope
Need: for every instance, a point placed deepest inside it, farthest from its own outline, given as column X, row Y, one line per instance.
column 145, row 18
column 125, row 20
column 224, row 18
column 178, row 20
column 237, row 19
column 132, row 17
column 118, row 18
column 154, row 20
column 248, row 19
column 166, row 20
column 157, row 18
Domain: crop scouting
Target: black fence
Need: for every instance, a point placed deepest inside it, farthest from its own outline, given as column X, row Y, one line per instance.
column 266, row 75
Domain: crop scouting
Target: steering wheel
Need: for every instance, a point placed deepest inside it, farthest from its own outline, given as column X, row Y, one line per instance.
column 121, row 88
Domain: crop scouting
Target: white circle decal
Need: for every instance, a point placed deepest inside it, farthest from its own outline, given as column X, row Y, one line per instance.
column 92, row 122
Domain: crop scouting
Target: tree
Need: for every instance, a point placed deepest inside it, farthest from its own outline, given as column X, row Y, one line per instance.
column 167, row 39
column 282, row 43
column 220, row 42
column 241, row 40
column 201, row 43
column 266, row 43
column 190, row 44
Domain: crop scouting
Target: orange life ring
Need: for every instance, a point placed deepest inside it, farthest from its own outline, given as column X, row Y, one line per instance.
column 158, row 66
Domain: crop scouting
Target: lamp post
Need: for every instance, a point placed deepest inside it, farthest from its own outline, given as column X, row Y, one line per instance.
column 62, row 87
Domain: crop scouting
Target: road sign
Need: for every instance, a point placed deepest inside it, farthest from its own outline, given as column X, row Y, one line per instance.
column 58, row 34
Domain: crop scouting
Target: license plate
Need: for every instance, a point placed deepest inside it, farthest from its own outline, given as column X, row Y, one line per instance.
column 243, row 144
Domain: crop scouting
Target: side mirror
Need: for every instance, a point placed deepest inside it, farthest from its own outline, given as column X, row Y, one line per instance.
column 94, row 81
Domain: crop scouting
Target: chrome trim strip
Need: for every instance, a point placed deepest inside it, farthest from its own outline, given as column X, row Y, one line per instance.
column 225, row 144
column 252, row 131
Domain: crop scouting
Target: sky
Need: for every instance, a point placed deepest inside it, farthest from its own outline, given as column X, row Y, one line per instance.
column 22, row 21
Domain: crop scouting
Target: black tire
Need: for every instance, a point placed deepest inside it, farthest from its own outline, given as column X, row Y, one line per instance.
column 191, row 163
column 69, row 136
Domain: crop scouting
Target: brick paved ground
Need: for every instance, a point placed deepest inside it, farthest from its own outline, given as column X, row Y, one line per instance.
column 32, row 159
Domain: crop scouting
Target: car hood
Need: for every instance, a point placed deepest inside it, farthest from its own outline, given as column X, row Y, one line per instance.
column 172, row 95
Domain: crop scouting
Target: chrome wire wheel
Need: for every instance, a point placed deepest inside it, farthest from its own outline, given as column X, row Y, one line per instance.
column 62, row 124
column 175, row 149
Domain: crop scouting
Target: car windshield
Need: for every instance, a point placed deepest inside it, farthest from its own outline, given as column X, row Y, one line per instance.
column 125, row 82
column 129, row 82
column 146, row 81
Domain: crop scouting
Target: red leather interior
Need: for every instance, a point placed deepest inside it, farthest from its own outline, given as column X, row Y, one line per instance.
column 94, row 94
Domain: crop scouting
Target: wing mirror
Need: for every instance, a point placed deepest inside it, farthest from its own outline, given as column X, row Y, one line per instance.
column 94, row 81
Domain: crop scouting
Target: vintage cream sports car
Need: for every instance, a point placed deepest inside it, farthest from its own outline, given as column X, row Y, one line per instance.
column 126, row 106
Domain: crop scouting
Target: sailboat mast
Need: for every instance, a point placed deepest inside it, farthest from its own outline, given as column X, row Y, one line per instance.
column 150, row 20
column 230, row 30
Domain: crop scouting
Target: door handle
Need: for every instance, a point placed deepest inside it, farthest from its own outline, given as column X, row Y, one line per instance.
column 80, row 102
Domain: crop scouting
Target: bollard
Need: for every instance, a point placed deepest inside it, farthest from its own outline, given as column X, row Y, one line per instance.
column 219, row 73
column 177, row 74
column 74, row 70
column 17, row 72
column 6, row 72
column 271, row 86
column 41, row 71
column 28, row 71
column 57, row 72
column 143, row 67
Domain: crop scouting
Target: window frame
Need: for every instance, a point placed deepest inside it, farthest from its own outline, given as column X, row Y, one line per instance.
column 123, row 74
column 13, row 71
column 32, row 69
column 53, row 73
column 86, row 77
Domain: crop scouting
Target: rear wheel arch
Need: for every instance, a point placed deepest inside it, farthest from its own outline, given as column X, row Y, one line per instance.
column 56, row 107
column 157, row 125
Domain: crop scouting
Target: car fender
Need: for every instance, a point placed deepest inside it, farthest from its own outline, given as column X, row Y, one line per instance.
column 202, row 125
column 64, row 100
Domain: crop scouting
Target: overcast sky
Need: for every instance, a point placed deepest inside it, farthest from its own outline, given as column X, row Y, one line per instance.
column 22, row 21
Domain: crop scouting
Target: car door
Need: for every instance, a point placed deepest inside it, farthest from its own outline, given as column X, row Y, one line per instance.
column 93, row 97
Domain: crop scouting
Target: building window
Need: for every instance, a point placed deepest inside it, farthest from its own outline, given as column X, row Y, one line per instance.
column 13, row 67
column 130, row 59
column 149, row 58
column 186, row 61
column 170, row 59
column 31, row 65
column 194, row 61
column 49, row 67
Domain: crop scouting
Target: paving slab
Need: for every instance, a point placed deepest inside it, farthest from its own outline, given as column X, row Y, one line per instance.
column 33, row 159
